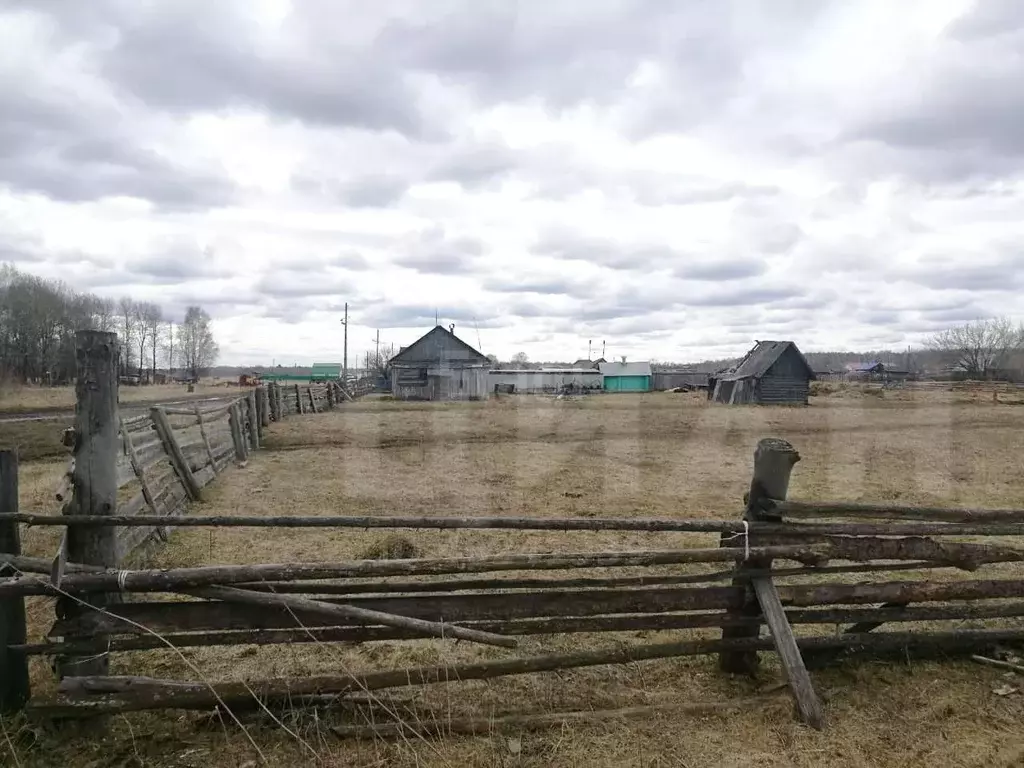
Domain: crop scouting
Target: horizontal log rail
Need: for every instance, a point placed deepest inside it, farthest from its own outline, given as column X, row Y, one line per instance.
column 90, row 696
column 528, row 626
column 535, row 524
column 819, row 509
column 173, row 579
column 200, row 616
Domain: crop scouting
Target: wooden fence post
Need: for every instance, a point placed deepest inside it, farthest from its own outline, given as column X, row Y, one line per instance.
column 254, row 421
column 312, row 400
column 14, row 682
column 96, row 449
column 330, row 395
column 206, row 440
column 298, row 401
column 264, row 394
column 275, row 405
column 772, row 466
column 235, row 420
column 178, row 460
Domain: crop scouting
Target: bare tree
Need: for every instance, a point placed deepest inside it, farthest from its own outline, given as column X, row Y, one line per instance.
column 980, row 348
column 197, row 347
column 169, row 346
column 128, row 331
column 151, row 320
column 520, row 360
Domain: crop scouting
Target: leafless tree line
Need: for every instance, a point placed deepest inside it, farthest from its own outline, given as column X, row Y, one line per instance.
column 38, row 320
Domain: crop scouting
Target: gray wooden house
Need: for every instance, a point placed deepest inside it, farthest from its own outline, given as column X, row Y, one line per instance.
column 772, row 373
column 439, row 366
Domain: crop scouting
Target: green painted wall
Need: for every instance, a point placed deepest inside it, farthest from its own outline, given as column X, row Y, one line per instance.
column 627, row 383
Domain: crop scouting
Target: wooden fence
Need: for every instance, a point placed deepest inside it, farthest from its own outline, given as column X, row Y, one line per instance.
column 769, row 567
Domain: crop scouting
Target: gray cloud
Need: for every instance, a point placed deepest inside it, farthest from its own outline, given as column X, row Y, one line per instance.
column 722, row 269
column 434, row 252
column 571, row 246
column 740, row 296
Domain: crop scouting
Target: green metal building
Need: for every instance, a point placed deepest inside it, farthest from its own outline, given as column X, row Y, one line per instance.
column 325, row 372
column 626, row 377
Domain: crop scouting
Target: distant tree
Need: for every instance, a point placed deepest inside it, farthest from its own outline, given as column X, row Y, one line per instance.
column 151, row 317
column 520, row 360
column 198, row 349
column 169, row 339
column 493, row 359
column 127, row 322
column 980, row 348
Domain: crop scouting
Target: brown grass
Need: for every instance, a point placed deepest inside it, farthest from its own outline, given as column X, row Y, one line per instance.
column 653, row 455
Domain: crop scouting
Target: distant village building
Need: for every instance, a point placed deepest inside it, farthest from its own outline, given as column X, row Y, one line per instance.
column 584, row 363
column 325, row 372
column 673, row 379
column 439, row 366
column 772, row 373
column 626, row 377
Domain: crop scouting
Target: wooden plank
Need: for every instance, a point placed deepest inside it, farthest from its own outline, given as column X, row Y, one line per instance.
column 206, row 439
column 173, row 449
column 807, row 701
column 14, row 679
column 312, row 400
column 298, row 401
column 96, row 451
column 137, row 467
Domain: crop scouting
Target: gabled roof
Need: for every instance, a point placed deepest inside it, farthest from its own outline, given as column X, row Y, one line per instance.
column 584, row 363
column 436, row 344
column 625, row 369
column 862, row 367
column 763, row 356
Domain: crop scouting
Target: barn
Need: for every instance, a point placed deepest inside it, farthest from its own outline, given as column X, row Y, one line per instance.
column 439, row 366
column 772, row 373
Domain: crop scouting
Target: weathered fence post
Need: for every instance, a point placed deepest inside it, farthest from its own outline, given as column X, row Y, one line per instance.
column 14, row 682
column 275, row 403
column 235, row 421
column 312, row 400
column 264, row 396
column 330, row 395
column 298, row 401
column 95, row 478
column 173, row 449
column 773, row 464
column 254, row 421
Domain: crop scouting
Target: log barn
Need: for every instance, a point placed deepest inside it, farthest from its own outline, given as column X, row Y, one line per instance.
column 772, row 373
column 439, row 366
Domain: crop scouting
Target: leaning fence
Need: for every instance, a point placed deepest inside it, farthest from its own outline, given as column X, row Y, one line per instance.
column 828, row 580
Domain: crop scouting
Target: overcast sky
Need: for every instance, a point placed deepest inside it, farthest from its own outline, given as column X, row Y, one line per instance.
column 674, row 178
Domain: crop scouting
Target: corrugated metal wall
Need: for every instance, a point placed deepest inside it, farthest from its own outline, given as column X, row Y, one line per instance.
column 662, row 380
column 544, row 381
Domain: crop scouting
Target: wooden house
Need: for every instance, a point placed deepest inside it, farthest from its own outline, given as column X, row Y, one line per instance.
column 439, row 366
column 772, row 373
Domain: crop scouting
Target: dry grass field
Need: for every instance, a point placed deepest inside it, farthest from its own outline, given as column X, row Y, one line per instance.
column 659, row 455
column 25, row 399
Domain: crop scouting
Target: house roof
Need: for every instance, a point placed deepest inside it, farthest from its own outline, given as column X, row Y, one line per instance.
column 432, row 342
column 625, row 369
column 763, row 356
column 862, row 367
column 583, row 363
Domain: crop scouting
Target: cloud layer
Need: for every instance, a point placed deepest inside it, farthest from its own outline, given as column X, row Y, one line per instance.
column 676, row 179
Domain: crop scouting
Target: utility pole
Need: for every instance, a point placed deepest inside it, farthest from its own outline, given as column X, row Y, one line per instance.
column 377, row 352
column 344, row 364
